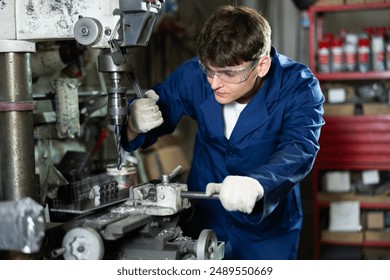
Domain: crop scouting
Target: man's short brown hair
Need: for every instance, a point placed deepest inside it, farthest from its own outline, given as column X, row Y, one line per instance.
column 233, row 35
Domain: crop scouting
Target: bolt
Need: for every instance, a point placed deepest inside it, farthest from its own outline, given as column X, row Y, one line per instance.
column 107, row 31
column 84, row 31
column 81, row 248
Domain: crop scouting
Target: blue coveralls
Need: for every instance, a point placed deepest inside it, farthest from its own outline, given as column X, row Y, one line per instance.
column 274, row 141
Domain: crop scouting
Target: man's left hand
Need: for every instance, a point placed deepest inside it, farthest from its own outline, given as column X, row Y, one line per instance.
column 237, row 193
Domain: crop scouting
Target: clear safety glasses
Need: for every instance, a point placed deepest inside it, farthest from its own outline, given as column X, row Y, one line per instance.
column 231, row 75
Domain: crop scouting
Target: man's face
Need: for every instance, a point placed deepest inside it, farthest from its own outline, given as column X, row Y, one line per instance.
column 238, row 83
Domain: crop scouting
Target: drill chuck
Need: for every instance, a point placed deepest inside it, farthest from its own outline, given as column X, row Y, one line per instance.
column 117, row 107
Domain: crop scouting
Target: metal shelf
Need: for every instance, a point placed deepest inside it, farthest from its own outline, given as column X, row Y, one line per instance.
column 347, row 76
column 353, row 7
column 381, row 244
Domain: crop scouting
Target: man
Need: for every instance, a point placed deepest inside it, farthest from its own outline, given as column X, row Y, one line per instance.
column 259, row 116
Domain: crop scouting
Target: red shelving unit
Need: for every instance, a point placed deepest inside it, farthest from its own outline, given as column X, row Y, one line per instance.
column 353, row 143
column 348, row 143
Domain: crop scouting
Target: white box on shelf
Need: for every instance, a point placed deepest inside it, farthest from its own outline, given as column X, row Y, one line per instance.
column 337, row 181
column 370, row 177
column 337, row 95
column 344, row 216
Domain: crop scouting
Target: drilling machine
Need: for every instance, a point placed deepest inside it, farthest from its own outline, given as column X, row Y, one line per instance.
column 149, row 209
column 112, row 26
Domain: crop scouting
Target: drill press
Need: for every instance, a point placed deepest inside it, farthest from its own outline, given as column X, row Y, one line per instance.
column 134, row 28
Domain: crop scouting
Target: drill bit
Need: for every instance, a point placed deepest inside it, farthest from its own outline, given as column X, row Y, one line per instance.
column 118, row 146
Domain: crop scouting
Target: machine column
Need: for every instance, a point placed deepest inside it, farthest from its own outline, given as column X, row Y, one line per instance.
column 17, row 163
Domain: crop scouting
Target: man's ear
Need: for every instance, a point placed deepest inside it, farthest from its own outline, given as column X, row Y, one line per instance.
column 263, row 65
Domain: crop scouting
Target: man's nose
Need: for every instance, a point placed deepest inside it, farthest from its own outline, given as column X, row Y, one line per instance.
column 215, row 82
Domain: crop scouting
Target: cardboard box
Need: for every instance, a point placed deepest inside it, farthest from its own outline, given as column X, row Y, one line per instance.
column 376, row 109
column 374, row 1
column 339, row 109
column 352, row 2
column 373, row 198
column 376, row 253
column 342, row 237
column 329, row 197
column 329, row 2
column 375, row 220
column 379, row 235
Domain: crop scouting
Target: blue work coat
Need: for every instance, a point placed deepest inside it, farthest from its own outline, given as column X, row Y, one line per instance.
column 274, row 141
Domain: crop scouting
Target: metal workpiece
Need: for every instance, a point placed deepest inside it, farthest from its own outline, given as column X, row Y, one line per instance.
column 16, row 122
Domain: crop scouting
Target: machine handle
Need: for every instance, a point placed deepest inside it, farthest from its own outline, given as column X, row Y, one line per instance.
column 197, row 195
column 166, row 179
column 133, row 80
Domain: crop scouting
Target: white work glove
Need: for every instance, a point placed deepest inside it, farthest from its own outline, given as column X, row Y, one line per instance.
column 144, row 113
column 237, row 193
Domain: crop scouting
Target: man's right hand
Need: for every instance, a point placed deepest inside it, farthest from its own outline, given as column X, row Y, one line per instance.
column 144, row 114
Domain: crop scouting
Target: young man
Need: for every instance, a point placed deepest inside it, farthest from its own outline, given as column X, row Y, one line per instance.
column 259, row 116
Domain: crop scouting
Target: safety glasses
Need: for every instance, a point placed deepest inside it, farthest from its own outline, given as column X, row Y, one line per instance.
column 231, row 75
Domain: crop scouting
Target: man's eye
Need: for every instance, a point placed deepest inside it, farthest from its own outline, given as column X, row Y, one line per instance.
column 229, row 73
column 210, row 73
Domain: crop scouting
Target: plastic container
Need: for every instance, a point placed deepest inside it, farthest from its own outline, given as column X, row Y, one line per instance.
column 350, row 51
column 323, row 56
column 378, row 53
column 337, row 55
column 363, row 54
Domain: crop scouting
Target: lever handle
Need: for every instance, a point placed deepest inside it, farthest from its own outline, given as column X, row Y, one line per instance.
column 166, row 179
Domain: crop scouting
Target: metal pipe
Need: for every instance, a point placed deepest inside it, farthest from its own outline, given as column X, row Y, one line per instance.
column 16, row 122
